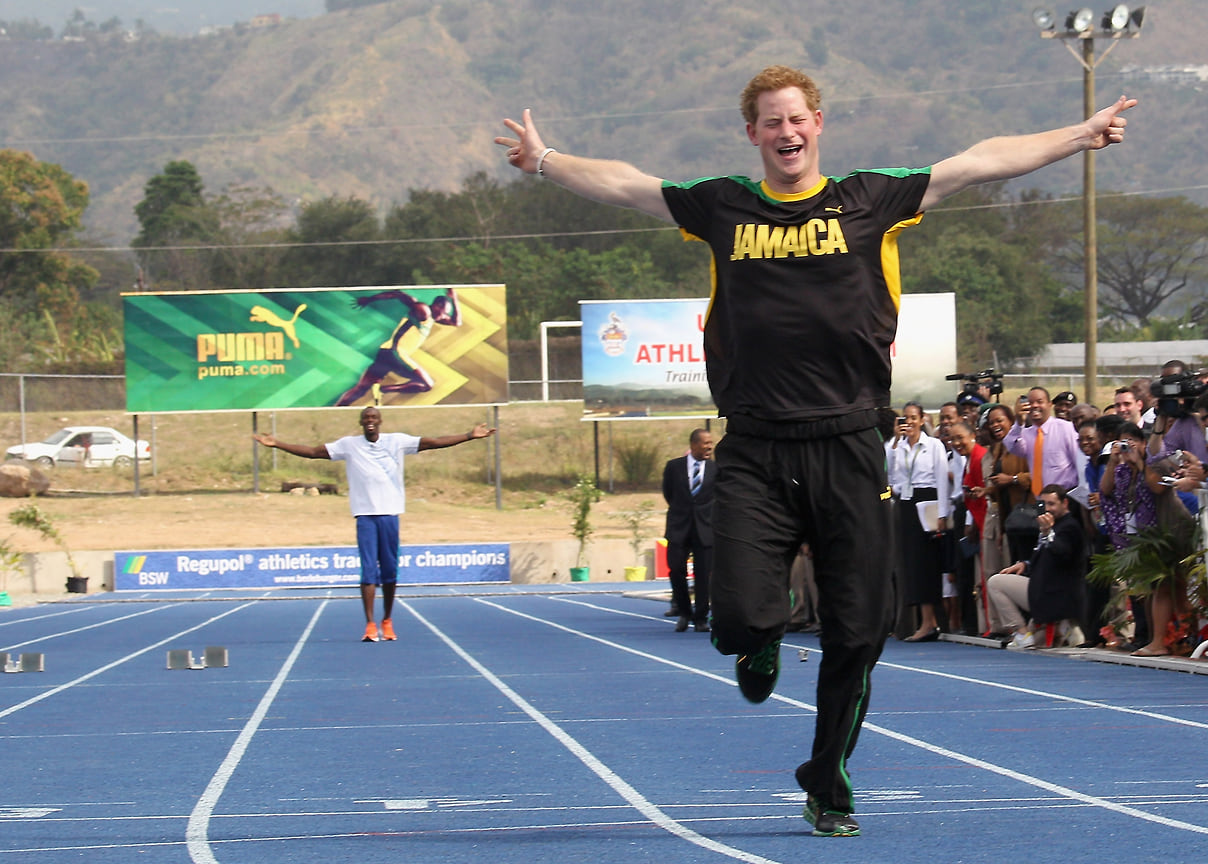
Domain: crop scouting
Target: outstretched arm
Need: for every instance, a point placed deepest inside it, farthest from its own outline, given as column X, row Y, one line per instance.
column 1015, row 155
column 607, row 181
column 393, row 294
column 306, row 451
column 479, row 431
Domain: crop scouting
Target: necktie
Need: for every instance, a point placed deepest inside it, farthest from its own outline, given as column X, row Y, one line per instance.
column 697, row 477
column 1037, row 462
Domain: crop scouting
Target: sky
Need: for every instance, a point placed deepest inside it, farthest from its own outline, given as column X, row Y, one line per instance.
column 166, row 16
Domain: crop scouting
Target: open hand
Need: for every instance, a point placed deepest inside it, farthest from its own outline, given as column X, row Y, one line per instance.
column 525, row 149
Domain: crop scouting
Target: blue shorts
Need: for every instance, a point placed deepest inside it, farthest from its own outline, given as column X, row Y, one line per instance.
column 377, row 542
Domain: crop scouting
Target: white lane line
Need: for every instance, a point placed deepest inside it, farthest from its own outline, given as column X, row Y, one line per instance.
column 31, row 618
column 1028, row 779
column 1027, row 691
column 197, row 833
column 56, row 690
column 104, row 623
column 1046, row 694
column 627, row 792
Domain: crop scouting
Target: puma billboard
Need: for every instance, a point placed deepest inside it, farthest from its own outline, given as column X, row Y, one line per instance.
column 315, row 348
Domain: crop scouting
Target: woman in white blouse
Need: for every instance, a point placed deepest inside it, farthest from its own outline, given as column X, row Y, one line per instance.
column 918, row 472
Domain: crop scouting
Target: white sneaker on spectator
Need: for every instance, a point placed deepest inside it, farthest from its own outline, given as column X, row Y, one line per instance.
column 1023, row 639
column 1070, row 633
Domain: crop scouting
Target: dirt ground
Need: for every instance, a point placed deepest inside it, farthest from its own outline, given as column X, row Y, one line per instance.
column 218, row 520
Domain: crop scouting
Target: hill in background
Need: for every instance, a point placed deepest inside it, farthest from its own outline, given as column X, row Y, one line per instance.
column 405, row 94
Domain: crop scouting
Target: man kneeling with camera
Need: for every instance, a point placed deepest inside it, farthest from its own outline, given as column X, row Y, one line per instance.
column 1048, row 586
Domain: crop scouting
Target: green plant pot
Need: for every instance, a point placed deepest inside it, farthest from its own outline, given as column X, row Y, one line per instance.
column 580, row 574
column 635, row 574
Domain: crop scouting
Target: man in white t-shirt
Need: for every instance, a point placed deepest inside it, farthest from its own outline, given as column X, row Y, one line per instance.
column 374, row 464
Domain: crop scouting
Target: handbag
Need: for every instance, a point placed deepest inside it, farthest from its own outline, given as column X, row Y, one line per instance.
column 1022, row 520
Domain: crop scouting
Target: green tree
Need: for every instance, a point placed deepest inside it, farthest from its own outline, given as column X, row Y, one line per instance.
column 1150, row 251
column 1005, row 296
column 175, row 223
column 337, row 244
column 251, row 221
column 41, row 208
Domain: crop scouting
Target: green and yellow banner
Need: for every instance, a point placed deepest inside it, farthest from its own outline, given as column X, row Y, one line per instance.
column 315, row 348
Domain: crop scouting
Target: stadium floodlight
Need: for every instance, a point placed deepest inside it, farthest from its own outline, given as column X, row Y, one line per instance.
column 1116, row 19
column 1080, row 21
column 1114, row 26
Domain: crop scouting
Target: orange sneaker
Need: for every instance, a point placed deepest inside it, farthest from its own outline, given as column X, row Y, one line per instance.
column 371, row 633
column 388, row 630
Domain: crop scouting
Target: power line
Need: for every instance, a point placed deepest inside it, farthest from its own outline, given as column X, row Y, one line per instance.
column 547, row 235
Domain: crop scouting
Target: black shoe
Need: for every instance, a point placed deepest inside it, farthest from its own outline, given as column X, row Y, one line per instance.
column 1093, row 643
column 929, row 636
column 671, row 613
column 757, row 673
column 701, row 626
column 829, row 823
column 682, row 624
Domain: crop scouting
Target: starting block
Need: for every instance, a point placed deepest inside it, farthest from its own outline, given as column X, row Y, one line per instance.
column 31, row 662
column 182, row 658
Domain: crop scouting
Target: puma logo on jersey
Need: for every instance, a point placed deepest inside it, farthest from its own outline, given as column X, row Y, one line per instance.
column 838, row 209
column 815, row 237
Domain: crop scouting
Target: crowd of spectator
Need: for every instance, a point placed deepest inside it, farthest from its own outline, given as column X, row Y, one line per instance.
column 1004, row 509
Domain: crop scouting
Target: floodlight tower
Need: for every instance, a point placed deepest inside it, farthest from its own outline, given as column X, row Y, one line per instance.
column 1117, row 23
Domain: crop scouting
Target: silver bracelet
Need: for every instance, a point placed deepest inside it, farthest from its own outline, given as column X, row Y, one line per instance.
column 541, row 160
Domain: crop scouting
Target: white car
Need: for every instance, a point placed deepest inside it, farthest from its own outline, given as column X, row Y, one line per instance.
column 89, row 446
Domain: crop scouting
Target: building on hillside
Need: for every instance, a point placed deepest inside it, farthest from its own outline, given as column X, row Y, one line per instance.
column 1118, row 359
column 1186, row 73
column 269, row 20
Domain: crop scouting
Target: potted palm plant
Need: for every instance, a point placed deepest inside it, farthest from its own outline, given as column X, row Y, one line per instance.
column 582, row 496
column 635, row 520
column 33, row 517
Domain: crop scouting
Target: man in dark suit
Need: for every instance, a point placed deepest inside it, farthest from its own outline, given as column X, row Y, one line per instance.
column 688, row 489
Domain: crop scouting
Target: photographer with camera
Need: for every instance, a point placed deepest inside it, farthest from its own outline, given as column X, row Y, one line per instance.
column 1178, row 413
column 1128, row 494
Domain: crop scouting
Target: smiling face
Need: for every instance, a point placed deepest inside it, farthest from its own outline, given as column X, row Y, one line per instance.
column 962, row 439
column 786, row 132
column 1040, row 409
column 371, row 422
column 999, row 423
column 914, row 421
column 1088, row 440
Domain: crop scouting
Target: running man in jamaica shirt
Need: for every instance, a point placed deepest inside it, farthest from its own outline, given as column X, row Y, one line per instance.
column 801, row 317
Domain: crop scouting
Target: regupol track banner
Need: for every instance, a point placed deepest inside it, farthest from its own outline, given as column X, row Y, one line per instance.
column 315, row 348
column 303, row 567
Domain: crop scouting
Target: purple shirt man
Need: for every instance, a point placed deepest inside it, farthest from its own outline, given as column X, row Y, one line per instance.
column 1059, row 455
column 1186, row 434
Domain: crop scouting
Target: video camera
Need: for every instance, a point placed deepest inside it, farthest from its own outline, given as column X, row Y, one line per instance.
column 1176, row 394
column 975, row 381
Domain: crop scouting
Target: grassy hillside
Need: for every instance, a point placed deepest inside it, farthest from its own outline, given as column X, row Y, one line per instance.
column 374, row 101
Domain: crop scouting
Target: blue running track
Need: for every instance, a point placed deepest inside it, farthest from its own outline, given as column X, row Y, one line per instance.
column 560, row 724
